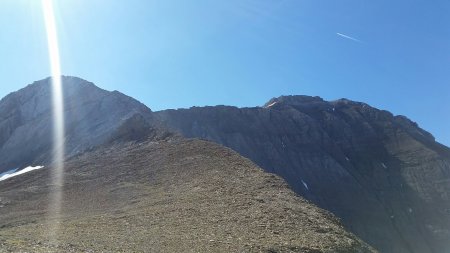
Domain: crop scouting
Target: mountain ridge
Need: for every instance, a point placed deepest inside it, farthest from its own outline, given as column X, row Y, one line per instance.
column 167, row 194
column 366, row 165
column 384, row 176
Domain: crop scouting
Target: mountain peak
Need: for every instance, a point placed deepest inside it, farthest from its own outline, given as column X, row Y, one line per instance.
column 92, row 116
column 67, row 81
column 293, row 100
column 42, row 89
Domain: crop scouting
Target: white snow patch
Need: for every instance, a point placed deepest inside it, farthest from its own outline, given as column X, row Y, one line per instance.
column 7, row 172
column 271, row 104
column 334, row 109
column 384, row 165
column 305, row 184
column 346, row 158
column 20, row 172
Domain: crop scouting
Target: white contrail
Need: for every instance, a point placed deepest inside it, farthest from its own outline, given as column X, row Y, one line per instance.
column 348, row 37
column 58, row 121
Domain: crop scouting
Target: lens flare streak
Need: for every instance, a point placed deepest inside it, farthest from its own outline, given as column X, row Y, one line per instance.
column 58, row 119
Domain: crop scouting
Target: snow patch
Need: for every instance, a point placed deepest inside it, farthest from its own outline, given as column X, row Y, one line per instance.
column 384, row 165
column 271, row 104
column 346, row 158
column 7, row 173
column 305, row 184
column 14, row 173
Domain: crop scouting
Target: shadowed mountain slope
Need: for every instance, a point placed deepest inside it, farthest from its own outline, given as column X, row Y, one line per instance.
column 384, row 176
column 167, row 195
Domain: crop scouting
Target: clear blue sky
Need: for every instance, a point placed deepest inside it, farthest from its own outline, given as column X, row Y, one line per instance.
column 173, row 54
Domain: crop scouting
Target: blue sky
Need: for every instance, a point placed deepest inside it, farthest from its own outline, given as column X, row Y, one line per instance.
column 394, row 55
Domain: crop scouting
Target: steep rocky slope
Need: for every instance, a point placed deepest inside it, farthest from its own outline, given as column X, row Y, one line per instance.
column 166, row 195
column 384, row 176
column 91, row 114
column 387, row 179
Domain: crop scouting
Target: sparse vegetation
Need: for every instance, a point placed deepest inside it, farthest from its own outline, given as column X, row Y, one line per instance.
column 171, row 195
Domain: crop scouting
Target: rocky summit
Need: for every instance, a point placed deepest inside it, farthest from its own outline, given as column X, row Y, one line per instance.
column 135, row 181
column 92, row 115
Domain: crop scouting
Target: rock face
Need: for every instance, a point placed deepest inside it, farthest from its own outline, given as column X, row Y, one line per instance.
column 386, row 178
column 166, row 195
column 92, row 116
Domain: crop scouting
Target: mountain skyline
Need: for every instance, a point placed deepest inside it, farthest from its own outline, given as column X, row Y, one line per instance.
column 393, row 56
column 264, row 103
column 225, row 126
column 381, row 174
column 123, row 165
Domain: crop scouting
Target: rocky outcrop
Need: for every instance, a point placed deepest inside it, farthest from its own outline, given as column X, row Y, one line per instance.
column 386, row 178
column 92, row 116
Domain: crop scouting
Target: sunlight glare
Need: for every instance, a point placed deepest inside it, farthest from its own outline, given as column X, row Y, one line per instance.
column 58, row 119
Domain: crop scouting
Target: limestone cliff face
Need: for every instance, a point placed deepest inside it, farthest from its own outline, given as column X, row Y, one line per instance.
column 386, row 178
column 92, row 116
